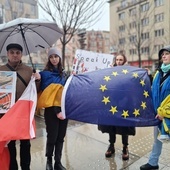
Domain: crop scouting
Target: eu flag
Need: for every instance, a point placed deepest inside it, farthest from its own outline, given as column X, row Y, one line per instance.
column 118, row 96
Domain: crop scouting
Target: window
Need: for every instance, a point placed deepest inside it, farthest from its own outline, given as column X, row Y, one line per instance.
column 122, row 28
column 159, row 32
column 145, row 50
column 132, row 38
column 122, row 41
column 14, row 15
column 20, row 6
column 144, row 7
column 159, row 17
column 132, row 25
column 123, row 3
column 7, row 4
column 145, row 21
column 27, row 15
column 158, row 47
column 145, row 36
column 132, row 11
column 121, row 15
column 159, row 3
column 33, row 9
column 132, row 51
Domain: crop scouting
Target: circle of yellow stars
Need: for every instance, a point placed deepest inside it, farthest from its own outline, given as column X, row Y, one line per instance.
column 113, row 109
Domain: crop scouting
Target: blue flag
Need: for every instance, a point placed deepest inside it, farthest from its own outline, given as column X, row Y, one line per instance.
column 118, row 96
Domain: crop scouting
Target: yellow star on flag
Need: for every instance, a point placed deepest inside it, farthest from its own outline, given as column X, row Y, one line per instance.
column 146, row 94
column 113, row 109
column 142, row 82
column 125, row 114
column 124, row 71
column 107, row 78
column 136, row 112
column 115, row 73
column 106, row 100
column 103, row 88
column 143, row 105
column 135, row 75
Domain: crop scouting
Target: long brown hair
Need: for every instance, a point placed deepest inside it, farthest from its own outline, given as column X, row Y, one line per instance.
column 124, row 57
column 50, row 67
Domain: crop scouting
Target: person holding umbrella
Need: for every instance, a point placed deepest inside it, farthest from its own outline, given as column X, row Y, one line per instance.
column 53, row 80
column 24, row 73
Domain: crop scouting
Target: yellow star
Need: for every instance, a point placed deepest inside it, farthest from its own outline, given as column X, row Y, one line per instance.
column 125, row 114
column 146, row 94
column 124, row 71
column 103, row 88
column 105, row 100
column 113, row 109
column 142, row 82
column 136, row 112
column 107, row 78
column 143, row 105
column 135, row 75
column 115, row 73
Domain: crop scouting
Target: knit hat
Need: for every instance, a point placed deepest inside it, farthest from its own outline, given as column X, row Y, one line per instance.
column 14, row 45
column 53, row 51
column 166, row 48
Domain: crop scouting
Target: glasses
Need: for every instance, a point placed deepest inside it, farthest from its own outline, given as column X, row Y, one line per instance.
column 165, row 53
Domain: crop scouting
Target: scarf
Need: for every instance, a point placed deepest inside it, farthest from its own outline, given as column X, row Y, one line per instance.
column 165, row 68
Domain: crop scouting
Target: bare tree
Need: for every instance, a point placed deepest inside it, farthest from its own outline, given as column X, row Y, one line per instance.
column 72, row 15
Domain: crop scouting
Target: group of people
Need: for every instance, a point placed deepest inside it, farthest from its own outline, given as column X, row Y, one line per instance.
column 55, row 124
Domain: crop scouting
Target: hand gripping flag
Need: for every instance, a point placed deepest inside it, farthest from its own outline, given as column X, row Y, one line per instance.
column 118, row 96
column 18, row 123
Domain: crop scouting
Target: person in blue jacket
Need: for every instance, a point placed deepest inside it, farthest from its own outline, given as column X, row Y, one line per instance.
column 161, row 101
column 56, row 126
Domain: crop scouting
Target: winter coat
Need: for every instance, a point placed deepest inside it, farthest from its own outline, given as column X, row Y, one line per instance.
column 117, row 130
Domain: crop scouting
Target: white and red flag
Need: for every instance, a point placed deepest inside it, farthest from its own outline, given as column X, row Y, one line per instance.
column 18, row 123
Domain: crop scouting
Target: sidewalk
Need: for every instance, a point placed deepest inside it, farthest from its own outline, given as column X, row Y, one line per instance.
column 85, row 146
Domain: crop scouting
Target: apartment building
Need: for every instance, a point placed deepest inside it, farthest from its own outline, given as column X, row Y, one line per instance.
column 12, row 9
column 98, row 41
column 140, row 28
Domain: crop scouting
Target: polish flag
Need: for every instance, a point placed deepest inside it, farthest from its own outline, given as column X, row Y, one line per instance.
column 18, row 123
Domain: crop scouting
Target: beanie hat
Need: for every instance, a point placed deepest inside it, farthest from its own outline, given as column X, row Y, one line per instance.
column 54, row 51
column 166, row 48
column 14, row 45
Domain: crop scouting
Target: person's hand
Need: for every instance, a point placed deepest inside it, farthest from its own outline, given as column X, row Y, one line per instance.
column 60, row 116
column 148, row 71
column 37, row 76
column 159, row 117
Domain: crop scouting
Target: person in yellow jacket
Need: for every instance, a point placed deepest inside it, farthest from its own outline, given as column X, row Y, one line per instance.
column 52, row 81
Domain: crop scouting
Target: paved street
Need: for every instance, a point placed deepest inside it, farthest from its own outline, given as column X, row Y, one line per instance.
column 85, row 146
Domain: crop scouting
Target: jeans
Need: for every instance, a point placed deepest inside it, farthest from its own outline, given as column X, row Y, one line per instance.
column 156, row 149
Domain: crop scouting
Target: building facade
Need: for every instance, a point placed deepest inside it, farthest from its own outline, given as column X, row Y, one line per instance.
column 140, row 28
column 12, row 9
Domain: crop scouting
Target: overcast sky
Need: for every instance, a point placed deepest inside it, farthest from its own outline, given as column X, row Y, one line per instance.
column 102, row 24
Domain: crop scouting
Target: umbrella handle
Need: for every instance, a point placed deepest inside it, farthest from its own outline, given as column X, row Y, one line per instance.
column 34, row 70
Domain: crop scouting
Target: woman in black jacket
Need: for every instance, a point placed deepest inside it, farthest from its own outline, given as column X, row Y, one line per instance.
column 120, row 60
